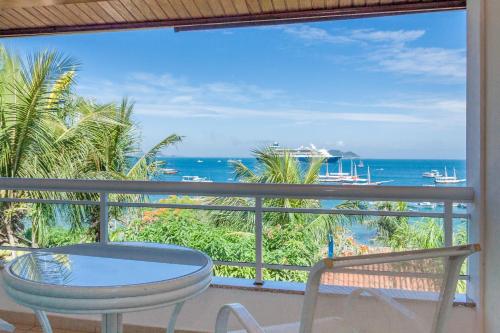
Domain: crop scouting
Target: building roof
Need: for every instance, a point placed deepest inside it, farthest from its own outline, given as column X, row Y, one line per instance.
column 34, row 17
column 424, row 276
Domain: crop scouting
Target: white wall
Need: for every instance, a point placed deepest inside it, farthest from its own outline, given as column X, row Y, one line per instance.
column 483, row 153
column 269, row 308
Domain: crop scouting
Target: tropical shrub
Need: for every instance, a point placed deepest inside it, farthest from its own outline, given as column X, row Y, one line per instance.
column 193, row 228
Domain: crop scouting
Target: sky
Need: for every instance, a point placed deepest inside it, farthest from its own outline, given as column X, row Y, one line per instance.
column 388, row 87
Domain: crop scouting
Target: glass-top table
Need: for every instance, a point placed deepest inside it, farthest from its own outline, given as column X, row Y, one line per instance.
column 107, row 279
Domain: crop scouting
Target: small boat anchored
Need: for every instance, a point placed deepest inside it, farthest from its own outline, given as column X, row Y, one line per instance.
column 448, row 179
column 432, row 174
column 169, row 171
column 195, row 179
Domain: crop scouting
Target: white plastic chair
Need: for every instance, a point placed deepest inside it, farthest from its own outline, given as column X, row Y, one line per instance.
column 362, row 304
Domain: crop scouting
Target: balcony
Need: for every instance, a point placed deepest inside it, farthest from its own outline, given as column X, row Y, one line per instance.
column 263, row 297
column 279, row 301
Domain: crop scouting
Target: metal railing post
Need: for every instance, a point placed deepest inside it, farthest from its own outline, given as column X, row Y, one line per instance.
column 448, row 223
column 258, row 241
column 103, row 218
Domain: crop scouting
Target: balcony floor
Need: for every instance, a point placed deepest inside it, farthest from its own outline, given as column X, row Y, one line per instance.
column 27, row 323
column 32, row 329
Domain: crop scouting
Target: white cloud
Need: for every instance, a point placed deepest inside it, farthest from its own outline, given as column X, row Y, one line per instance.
column 389, row 51
column 386, row 36
column 297, row 115
column 413, row 104
column 423, row 61
column 309, row 33
column 167, row 96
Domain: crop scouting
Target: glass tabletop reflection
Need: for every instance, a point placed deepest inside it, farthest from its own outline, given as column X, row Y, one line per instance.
column 119, row 267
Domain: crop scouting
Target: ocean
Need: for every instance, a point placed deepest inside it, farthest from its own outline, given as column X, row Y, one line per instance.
column 392, row 172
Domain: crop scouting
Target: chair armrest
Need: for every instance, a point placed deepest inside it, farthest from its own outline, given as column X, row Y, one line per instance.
column 241, row 313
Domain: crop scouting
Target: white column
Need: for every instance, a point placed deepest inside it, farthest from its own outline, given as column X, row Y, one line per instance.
column 483, row 155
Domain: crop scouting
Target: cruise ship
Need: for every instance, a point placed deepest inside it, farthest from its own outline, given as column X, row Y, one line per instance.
column 305, row 153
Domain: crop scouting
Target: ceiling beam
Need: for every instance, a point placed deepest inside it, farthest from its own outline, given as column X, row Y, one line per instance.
column 249, row 20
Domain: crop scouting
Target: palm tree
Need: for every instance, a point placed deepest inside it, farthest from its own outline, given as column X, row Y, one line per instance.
column 114, row 144
column 46, row 131
column 274, row 169
column 399, row 232
column 387, row 226
column 29, row 93
column 283, row 169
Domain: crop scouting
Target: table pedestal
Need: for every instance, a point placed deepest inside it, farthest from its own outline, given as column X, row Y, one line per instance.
column 112, row 323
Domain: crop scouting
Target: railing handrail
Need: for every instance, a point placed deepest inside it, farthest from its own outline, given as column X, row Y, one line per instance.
column 346, row 192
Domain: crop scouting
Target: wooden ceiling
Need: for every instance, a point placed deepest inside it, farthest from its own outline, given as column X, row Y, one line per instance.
column 34, row 17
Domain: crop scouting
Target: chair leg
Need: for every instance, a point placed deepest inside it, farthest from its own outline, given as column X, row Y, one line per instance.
column 42, row 318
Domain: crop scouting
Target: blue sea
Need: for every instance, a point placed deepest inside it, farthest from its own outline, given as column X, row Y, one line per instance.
column 392, row 172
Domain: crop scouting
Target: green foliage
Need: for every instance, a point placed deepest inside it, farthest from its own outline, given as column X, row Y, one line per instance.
column 60, row 236
column 274, row 168
column 401, row 232
column 47, row 131
column 423, row 234
column 271, row 169
column 193, row 228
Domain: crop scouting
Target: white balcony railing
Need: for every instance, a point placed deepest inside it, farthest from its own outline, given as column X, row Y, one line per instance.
column 445, row 196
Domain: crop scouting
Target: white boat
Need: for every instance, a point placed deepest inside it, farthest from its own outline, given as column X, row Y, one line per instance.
column 333, row 177
column 169, row 171
column 195, row 179
column 448, row 179
column 304, row 153
column 427, row 204
column 369, row 180
column 199, row 161
column 340, row 176
column 353, row 177
column 339, row 173
column 432, row 174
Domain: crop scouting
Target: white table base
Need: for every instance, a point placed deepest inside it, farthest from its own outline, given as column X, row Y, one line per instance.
column 111, row 322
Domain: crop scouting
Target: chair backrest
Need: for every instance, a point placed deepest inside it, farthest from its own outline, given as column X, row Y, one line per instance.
column 372, row 282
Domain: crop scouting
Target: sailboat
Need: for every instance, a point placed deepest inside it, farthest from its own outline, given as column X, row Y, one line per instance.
column 340, row 172
column 369, row 182
column 332, row 177
column 340, row 176
column 353, row 177
column 448, row 179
